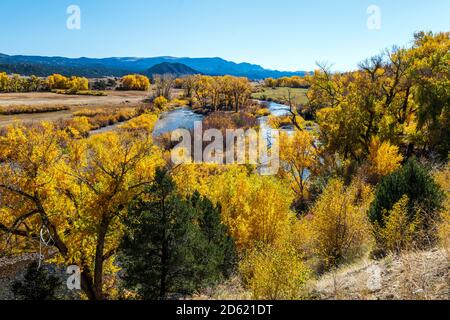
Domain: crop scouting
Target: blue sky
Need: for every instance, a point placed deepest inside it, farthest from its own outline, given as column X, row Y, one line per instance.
column 277, row 34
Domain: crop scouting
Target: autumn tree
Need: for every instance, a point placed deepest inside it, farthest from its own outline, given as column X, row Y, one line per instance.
column 431, row 72
column 256, row 209
column 74, row 190
column 135, row 82
column 300, row 158
column 400, row 96
column 57, row 81
column 383, row 159
column 164, row 85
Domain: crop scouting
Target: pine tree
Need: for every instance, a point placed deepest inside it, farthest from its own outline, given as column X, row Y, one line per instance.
column 414, row 181
column 172, row 246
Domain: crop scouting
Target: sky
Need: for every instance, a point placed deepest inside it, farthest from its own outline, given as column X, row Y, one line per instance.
column 286, row 35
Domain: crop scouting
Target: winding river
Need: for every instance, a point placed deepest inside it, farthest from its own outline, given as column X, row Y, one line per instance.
column 184, row 118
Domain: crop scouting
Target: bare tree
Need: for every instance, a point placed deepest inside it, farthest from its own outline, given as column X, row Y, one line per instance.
column 164, row 85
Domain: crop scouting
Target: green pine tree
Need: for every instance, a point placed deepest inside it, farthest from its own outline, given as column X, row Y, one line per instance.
column 416, row 182
column 173, row 246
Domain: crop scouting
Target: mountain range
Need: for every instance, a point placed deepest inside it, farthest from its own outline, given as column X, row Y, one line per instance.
column 117, row 67
column 177, row 69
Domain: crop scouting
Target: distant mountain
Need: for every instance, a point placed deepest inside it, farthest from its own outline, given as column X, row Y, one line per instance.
column 88, row 67
column 177, row 69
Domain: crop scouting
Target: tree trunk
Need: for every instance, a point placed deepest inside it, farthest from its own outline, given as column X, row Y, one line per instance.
column 98, row 267
column 164, row 254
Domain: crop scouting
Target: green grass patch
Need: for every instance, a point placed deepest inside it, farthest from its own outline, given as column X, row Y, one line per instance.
column 280, row 95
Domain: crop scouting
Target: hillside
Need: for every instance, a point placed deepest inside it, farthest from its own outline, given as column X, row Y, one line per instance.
column 88, row 67
column 417, row 275
column 177, row 69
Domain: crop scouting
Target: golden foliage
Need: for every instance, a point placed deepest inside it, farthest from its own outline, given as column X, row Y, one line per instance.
column 442, row 177
column 339, row 224
column 398, row 231
column 274, row 272
column 160, row 103
column 75, row 188
column 135, row 82
column 255, row 208
column 73, row 84
column 384, row 158
column 300, row 157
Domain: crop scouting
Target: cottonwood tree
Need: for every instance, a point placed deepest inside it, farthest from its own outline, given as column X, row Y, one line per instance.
column 74, row 190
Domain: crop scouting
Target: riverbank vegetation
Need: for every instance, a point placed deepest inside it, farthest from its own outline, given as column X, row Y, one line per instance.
column 370, row 182
column 10, row 110
column 225, row 93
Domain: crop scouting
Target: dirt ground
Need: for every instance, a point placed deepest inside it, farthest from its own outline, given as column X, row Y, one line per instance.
column 113, row 99
column 48, row 98
column 411, row 276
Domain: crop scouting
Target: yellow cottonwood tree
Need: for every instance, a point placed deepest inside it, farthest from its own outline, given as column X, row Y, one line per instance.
column 255, row 208
column 299, row 158
column 74, row 190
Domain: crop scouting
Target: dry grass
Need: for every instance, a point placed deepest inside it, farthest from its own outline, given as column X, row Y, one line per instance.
column 413, row 275
column 229, row 290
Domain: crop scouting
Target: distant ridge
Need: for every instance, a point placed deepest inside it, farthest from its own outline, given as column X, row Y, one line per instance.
column 177, row 69
column 89, row 67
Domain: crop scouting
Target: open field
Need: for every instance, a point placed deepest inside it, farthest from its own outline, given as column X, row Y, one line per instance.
column 46, row 98
column 114, row 99
column 280, row 95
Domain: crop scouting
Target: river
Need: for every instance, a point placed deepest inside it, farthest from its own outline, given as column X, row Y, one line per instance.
column 184, row 118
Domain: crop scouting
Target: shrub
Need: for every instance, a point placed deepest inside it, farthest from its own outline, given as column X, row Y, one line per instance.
column 274, row 273
column 11, row 110
column 160, row 103
column 425, row 197
column 442, row 177
column 262, row 112
column 340, row 226
column 398, row 231
column 79, row 127
column 145, row 122
column 37, row 285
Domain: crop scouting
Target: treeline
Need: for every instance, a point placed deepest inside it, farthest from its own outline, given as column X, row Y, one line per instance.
column 217, row 93
column 290, row 82
column 70, row 85
column 16, row 83
column 401, row 96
